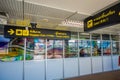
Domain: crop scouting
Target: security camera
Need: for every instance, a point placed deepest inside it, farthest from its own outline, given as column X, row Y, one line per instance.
column 33, row 25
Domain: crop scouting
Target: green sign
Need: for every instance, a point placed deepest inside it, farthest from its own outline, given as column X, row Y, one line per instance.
column 105, row 18
column 14, row 31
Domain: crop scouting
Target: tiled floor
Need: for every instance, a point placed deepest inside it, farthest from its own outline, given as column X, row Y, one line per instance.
column 112, row 75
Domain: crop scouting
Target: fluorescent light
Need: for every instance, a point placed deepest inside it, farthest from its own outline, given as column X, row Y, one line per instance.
column 71, row 23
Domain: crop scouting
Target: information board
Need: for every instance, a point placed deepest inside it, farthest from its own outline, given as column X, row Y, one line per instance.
column 15, row 31
column 105, row 18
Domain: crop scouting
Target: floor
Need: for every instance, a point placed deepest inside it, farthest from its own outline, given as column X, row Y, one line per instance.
column 111, row 75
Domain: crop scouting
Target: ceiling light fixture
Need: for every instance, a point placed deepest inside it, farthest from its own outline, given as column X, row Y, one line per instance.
column 71, row 23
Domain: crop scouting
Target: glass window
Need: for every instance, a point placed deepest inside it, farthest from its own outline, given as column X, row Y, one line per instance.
column 84, row 48
column 106, row 45
column 11, row 49
column 84, row 36
column 105, row 37
column 37, row 45
column 96, row 48
column 115, row 37
column 54, row 49
column 115, row 47
column 71, row 48
column 95, row 36
column 74, row 35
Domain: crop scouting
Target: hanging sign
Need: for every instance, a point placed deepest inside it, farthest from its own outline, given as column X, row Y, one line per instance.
column 105, row 18
column 15, row 31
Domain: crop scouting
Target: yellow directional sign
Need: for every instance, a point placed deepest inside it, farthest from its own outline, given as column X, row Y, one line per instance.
column 19, row 32
column 16, row 31
column 105, row 18
column 19, row 22
column 11, row 31
column 25, row 32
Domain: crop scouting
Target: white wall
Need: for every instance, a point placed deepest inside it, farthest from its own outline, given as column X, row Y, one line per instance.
column 107, row 63
column 115, row 62
column 70, row 67
column 35, row 70
column 85, row 65
column 97, row 64
column 11, row 70
column 54, row 69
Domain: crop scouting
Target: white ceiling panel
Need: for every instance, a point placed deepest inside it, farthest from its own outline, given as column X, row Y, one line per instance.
column 46, row 11
column 12, row 7
column 87, row 7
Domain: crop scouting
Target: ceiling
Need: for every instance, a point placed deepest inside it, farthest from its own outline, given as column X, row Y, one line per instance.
column 50, row 14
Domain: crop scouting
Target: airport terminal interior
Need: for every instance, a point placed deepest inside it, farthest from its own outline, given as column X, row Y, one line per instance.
column 58, row 39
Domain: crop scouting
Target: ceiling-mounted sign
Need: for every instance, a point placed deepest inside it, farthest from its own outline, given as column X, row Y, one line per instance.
column 15, row 31
column 107, row 17
column 18, row 22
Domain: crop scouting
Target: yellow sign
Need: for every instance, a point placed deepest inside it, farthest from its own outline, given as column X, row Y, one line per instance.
column 90, row 23
column 19, row 32
column 19, row 22
column 26, row 32
column 11, row 31
column 105, row 18
column 23, row 22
